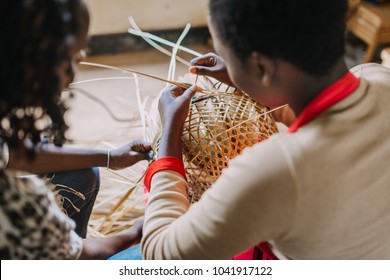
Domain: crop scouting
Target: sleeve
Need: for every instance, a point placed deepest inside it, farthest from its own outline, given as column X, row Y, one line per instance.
column 252, row 201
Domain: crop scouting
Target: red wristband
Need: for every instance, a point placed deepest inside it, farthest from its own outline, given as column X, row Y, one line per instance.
column 165, row 163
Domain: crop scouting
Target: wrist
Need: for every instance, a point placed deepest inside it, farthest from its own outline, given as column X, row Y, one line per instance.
column 170, row 144
column 172, row 127
column 108, row 159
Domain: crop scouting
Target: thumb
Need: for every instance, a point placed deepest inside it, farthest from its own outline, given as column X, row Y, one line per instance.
column 189, row 93
column 200, row 70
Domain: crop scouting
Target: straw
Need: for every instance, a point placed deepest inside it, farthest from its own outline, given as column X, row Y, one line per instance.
column 138, row 32
column 158, row 39
column 182, row 85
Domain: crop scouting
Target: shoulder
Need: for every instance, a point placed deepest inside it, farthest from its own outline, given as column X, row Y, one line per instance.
column 373, row 72
column 368, row 68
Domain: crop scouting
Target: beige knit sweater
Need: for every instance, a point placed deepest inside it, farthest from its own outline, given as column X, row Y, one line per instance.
column 320, row 193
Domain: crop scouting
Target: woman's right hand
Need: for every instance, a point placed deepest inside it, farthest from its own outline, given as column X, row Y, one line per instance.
column 211, row 65
column 173, row 105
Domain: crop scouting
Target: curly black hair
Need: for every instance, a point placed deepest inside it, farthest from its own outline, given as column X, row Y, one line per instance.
column 36, row 38
column 309, row 34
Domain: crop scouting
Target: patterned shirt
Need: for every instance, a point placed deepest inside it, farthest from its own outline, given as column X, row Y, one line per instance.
column 32, row 226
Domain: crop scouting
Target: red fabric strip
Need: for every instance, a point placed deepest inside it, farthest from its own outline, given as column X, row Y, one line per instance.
column 266, row 252
column 165, row 163
column 326, row 99
column 247, row 255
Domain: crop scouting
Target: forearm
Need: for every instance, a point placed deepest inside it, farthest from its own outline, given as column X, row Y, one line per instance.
column 168, row 200
column 251, row 202
column 50, row 158
column 170, row 143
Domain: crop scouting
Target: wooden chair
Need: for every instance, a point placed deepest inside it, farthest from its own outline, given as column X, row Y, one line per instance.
column 371, row 23
column 352, row 7
column 385, row 55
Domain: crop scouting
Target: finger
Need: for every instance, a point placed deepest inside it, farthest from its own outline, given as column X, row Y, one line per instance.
column 172, row 88
column 138, row 156
column 201, row 70
column 205, row 60
column 176, row 91
column 141, row 146
column 171, row 91
column 189, row 93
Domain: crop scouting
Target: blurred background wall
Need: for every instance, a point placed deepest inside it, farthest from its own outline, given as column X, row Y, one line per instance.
column 110, row 16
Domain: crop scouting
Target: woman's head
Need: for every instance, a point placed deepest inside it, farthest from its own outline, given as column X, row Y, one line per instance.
column 308, row 35
column 41, row 42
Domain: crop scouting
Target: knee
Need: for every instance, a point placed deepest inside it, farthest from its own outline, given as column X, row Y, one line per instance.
column 86, row 181
column 91, row 177
column 89, row 180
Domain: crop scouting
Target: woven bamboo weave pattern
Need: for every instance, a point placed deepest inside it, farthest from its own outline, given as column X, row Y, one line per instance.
column 218, row 127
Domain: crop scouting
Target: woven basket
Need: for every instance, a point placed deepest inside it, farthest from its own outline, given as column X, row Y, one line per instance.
column 218, row 127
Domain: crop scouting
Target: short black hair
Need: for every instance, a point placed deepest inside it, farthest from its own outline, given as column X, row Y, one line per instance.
column 307, row 33
column 36, row 37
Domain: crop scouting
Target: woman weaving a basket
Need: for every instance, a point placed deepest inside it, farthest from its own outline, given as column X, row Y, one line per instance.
column 319, row 191
column 42, row 43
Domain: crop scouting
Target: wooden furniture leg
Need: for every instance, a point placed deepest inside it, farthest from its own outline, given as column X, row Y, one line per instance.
column 370, row 51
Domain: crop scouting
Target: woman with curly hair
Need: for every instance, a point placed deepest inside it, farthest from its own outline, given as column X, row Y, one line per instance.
column 42, row 41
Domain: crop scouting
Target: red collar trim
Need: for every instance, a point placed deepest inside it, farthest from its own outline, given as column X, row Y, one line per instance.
column 333, row 94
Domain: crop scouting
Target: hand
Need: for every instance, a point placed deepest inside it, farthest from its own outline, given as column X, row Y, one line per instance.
column 211, row 65
column 129, row 154
column 133, row 234
column 104, row 247
column 174, row 105
column 136, row 230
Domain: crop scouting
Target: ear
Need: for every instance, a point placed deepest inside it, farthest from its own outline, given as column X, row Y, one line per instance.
column 266, row 67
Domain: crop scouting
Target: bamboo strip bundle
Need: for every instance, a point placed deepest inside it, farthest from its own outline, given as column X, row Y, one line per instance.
column 118, row 206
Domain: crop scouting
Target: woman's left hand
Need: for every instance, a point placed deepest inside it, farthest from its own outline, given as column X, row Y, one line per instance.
column 129, row 154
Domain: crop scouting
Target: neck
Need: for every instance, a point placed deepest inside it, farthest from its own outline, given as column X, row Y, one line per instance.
column 307, row 87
